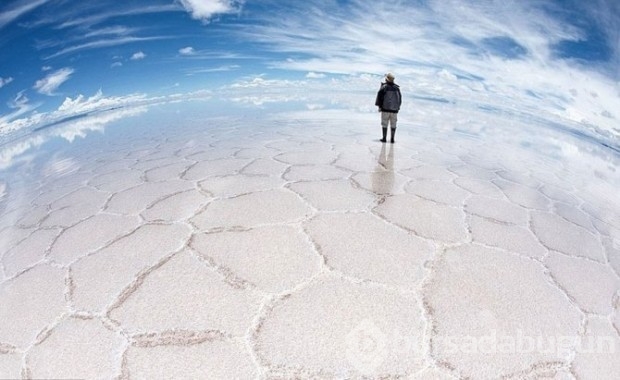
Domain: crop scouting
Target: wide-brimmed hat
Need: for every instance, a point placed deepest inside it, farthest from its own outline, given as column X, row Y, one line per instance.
column 389, row 77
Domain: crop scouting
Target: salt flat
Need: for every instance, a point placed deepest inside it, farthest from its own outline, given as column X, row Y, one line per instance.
column 301, row 247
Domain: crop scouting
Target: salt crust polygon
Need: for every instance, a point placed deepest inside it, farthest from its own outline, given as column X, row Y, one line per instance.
column 333, row 195
column 426, row 218
column 287, row 260
column 307, row 157
column 75, row 206
column 430, row 172
column 10, row 366
column 76, row 349
column 138, row 198
column 559, row 195
column 510, row 237
column 258, row 153
column 315, row 173
column 50, row 194
column 213, row 359
column 100, row 229
column 230, row 186
column 523, row 195
column 431, row 374
column 479, row 187
column 473, row 172
column 355, row 161
column 296, row 335
column 265, row 166
column 521, row 178
column 561, row 235
column 363, row 246
column 266, row 207
column 148, row 163
column 100, row 277
column 177, row 207
column 11, row 236
column 603, row 210
column 187, row 295
column 29, row 251
column 220, row 155
column 438, row 191
column 168, row 172
column 219, row 167
column 496, row 209
column 44, row 286
column 612, row 251
column 79, row 197
column 381, row 182
column 574, row 215
column 33, row 216
column 117, row 181
column 482, row 301
column 591, row 284
column 599, row 356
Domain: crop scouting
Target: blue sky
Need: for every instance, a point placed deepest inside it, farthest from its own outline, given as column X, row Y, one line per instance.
column 59, row 50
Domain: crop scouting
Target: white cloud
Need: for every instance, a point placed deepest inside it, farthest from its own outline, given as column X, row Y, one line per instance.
column 20, row 8
column 80, row 106
column 5, row 81
column 313, row 75
column 187, row 51
column 50, row 83
column 420, row 42
column 138, row 56
column 116, row 64
column 104, row 43
column 46, row 68
column 204, row 10
column 20, row 100
column 212, row 69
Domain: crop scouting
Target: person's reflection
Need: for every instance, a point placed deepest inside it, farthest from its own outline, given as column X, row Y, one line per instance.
column 383, row 176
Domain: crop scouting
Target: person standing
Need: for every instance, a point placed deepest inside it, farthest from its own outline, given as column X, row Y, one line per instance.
column 389, row 100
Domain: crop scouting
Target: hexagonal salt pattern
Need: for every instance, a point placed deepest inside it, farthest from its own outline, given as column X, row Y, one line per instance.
column 282, row 252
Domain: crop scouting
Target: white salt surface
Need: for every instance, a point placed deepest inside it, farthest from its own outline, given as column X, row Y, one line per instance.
column 303, row 248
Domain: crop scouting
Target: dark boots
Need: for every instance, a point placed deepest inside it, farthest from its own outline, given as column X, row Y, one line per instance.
column 384, row 134
column 384, row 130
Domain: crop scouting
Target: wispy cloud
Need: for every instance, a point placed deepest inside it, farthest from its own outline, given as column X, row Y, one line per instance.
column 313, row 75
column 187, row 51
column 51, row 82
column 504, row 49
column 20, row 100
column 14, row 152
column 104, row 43
column 138, row 56
column 361, row 36
column 221, row 55
column 212, row 69
column 18, row 9
column 117, row 30
column 205, row 10
column 5, row 81
column 79, row 108
column 20, row 106
column 95, row 15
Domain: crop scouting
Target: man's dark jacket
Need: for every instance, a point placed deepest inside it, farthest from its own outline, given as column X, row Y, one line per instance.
column 389, row 98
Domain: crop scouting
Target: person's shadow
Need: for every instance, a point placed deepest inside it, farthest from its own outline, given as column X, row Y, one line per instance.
column 382, row 177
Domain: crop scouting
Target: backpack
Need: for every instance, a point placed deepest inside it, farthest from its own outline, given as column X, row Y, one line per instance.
column 391, row 99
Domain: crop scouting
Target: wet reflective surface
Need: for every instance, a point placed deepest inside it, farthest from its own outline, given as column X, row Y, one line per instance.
column 292, row 243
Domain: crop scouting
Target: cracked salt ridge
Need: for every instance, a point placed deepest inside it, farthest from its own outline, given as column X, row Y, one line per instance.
column 140, row 287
